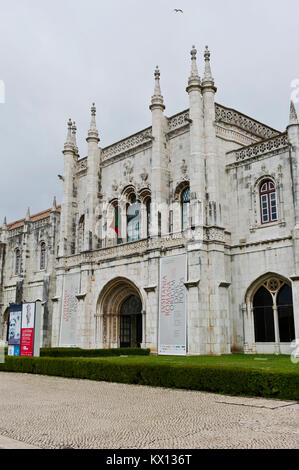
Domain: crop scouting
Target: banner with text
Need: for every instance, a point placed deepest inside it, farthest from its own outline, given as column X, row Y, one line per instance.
column 27, row 332
column 173, row 306
column 14, row 331
column 68, row 330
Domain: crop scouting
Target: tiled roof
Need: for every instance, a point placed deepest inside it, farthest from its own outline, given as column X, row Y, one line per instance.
column 33, row 218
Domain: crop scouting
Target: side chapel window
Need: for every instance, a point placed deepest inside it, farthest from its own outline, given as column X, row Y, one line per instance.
column 185, row 201
column 17, row 261
column 43, row 256
column 268, row 201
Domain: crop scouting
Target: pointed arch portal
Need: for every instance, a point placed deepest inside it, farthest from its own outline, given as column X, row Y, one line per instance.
column 270, row 302
column 121, row 315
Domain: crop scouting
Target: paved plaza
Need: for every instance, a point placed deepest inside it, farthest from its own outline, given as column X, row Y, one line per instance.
column 55, row 413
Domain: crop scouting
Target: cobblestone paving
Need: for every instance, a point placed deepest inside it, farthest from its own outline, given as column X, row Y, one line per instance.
column 51, row 412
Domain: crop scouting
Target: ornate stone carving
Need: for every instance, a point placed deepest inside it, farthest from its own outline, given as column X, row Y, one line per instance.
column 230, row 116
column 184, row 169
column 82, row 164
column 179, row 120
column 114, row 186
column 128, row 170
column 128, row 144
column 144, row 175
column 261, row 148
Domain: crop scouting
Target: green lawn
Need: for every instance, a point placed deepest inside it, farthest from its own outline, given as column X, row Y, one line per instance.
column 264, row 362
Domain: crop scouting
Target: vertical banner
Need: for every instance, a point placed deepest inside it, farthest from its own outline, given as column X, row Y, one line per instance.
column 27, row 332
column 14, row 330
column 37, row 328
column 173, row 306
column 68, row 329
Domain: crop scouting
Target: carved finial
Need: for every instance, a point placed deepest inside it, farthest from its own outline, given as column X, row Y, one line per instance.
column 28, row 215
column 69, row 140
column 194, row 69
column 157, row 98
column 293, row 114
column 194, row 79
column 4, row 226
column 54, row 205
column 93, row 132
column 74, row 137
column 208, row 80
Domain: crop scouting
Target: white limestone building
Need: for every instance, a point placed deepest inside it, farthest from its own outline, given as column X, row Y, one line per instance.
column 209, row 183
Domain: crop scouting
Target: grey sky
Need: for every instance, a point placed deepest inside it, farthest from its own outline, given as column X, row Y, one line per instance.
column 57, row 57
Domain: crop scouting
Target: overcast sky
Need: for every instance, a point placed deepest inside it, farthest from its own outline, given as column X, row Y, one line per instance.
column 57, row 57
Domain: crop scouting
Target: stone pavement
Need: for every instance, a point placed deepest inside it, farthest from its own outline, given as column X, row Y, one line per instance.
column 51, row 412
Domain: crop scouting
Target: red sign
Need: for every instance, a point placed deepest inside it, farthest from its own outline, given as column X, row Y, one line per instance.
column 27, row 342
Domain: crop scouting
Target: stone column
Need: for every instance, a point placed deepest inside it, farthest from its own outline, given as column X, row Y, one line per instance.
column 197, row 161
column 70, row 158
column 92, row 184
column 160, row 171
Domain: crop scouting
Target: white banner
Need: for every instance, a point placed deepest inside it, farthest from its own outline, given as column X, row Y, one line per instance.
column 68, row 329
column 173, row 306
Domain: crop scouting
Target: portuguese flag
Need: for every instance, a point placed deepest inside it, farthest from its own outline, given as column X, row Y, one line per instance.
column 114, row 224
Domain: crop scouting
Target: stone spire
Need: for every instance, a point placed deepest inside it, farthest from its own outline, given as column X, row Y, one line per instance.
column 54, row 205
column 28, row 215
column 69, row 140
column 293, row 115
column 93, row 131
column 157, row 98
column 4, row 226
column 194, row 79
column 208, row 80
column 74, row 138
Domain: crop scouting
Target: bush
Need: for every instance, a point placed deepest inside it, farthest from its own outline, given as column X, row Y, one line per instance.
column 216, row 379
column 77, row 352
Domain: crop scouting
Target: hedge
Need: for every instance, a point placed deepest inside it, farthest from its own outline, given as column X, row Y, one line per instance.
column 224, row 379
column 77, row 352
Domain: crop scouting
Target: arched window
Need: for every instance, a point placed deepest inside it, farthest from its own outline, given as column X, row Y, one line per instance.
column 133, row 220
column 273, row 303
column 263, row 316
column 43, row 253
column 81, row 234
column 268, row 201
column 17, row 261
column 185, row 202
column 148, row 217
column 286, row 314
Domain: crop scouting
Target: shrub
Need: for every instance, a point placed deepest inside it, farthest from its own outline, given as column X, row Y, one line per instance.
column 77, row 352
column 224, row 379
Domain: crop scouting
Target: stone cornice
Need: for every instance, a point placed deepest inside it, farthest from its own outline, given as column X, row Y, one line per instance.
column 253, row 151
column 235, row 118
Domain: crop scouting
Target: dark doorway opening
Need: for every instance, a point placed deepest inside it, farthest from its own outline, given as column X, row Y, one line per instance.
column 131, row 323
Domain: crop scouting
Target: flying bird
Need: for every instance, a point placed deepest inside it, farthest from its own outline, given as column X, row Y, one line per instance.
column 178, row 10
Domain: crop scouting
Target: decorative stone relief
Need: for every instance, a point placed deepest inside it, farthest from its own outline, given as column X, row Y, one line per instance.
column 184, row 170
column 233, row 117
column 144, row 175
column 128, row 170
column 128, row 144
column 261, row 148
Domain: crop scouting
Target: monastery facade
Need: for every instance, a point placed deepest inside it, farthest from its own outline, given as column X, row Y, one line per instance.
column 206, row 202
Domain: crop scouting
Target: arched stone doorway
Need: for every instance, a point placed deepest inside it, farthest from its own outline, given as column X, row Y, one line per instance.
column 120, row 315
column 131, row 322
column 269, row 324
